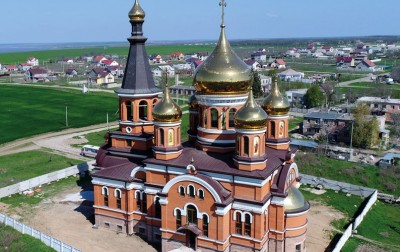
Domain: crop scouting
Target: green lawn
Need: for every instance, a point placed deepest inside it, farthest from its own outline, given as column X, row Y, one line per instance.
column 294, row 122
column 30, row 164
column 385, row 180
column 13, row 241
column 18, row 57
column 27, row 111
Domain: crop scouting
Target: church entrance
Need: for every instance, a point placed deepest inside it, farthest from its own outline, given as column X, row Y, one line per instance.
column 191, row 239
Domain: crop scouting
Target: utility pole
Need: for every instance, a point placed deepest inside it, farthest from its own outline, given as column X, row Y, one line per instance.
column 351, row 140
column 66, row 116
column 108, row 129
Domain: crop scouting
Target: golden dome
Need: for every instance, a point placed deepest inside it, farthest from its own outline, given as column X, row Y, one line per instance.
column 223, row 72
column 167, row 110
column 193, row 102
column 294, row 200
column 250, row 116
column 136, row 13
column 275, row 103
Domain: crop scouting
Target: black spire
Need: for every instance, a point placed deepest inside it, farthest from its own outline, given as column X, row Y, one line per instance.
column 138, row 78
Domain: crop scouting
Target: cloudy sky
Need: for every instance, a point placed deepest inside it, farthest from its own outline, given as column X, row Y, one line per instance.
column 53, row 21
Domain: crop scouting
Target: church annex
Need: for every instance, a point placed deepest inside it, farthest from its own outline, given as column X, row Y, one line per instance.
column 231, row 187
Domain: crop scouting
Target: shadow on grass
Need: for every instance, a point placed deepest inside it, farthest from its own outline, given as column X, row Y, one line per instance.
column 86, row 207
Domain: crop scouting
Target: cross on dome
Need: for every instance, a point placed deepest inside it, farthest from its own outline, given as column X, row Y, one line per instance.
column 223, row 5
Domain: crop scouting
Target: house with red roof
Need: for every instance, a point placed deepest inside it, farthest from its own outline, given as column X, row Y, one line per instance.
column 115, row 70
column 310, row 47
column 368, row 66
column 33, row 61
column 11, row 68
column 254, row 64
column 177, row 56
column 99, row 59
column 100, row 76
column 327, row 48
column 108, row 63
column 36, row 74
column 278, row 64
column 343, row 61
column 68, row 61
column 24, row 67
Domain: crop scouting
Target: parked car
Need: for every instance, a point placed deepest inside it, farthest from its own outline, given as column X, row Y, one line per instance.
column 89, row 150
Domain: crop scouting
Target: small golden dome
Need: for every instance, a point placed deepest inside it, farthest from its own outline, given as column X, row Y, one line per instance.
column 294, row 200
column 193, row 102
column 167, row 110
column 275, row 103
column 223, row 72
column 136, row 13
column 250, row 116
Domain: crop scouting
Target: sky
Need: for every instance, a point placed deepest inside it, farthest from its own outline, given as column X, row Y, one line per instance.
column 56, row 21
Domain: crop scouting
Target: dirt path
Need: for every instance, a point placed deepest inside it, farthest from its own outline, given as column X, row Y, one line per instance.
column 319, row 228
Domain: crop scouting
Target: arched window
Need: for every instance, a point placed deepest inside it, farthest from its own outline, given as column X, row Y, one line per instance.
column 158, row 208
column 178, row 218
column 191, row 191
column 118, row 196
column 161, row 137
column 246, row 145
column 201, row 194
column 138, row 201
column 170, row 137
column 238, row 223
column 154, row 102
column 191, row 214
column 232, row 113
column 214, row 118
column 144, row 202
column 273, row 129
column 247, row 224
column 105, row 195
column 256, row 145
column 129, row 114
column 182, row 191
column 205, row 225
column 143, row 110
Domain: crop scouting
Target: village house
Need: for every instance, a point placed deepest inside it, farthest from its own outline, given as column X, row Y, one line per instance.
column 98, row 60
column 328, row 49
column 345, row 62
column 259, row 56
column 68, row 61
column 33, row 61
column 381, row 106
column 291, row 75
column 155, row 59
column 296, row 97
column 368, row 66
column 71, row 72
column 310, row 47
column 100, row 76
column 278, row 64
column 117, row 71
column 254, row 64
column 11, row 68
column 23, row 67
column 177, row 56
column 169, row 69
column 36, row 74
column 108, row 63
column 266, row 83
column 202, row 56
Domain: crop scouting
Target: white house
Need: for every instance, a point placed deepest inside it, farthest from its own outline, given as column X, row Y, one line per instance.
column 36, row 74
column 266, row 82
column 24, row 67
column 115, row 70
column 279, row 64
column 33, row 61
column 100, row 76
column 108, row 63
column 291, row 75
column 169, row 69
column 254, row 64
column 296, row 96
column 259, row 56
column 368, row 66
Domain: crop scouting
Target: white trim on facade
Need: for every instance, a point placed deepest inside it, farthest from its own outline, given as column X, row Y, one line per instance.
column 278, row 201
column 216, row 131
column 216, row 141
column 139, row 95
column 162, row 124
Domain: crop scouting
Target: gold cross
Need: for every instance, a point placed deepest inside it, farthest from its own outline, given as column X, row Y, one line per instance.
column 223, row 5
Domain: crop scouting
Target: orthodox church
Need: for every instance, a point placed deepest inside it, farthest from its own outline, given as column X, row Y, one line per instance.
column 231, row 187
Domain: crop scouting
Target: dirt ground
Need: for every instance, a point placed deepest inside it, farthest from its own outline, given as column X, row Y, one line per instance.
column 67, row 219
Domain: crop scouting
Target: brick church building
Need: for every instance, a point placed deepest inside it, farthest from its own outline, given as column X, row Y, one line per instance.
column 231, row 187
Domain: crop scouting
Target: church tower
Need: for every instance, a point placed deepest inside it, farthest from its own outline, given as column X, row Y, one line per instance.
column 137, row 96
column 222, row 82
column 167, row 121
column 250, row 123
column 277, row 106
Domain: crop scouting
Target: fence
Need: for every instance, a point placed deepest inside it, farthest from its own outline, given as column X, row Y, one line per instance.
column 343, row 239
column 46, row 239
column 304, row 111
column 337, row 186
column 369, row 204
column 45, row 179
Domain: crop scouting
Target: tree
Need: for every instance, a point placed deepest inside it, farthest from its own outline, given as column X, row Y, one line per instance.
column 395, row 74
column 395, row 132
column 329, row 90
column 257, row 90
column 314, row 97
column 366, row 129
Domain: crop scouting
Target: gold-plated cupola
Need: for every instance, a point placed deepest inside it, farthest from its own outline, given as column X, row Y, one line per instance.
column 167, row 110
column 223, row 72
column 136, row 13
column 275, row 103
column 250, row 116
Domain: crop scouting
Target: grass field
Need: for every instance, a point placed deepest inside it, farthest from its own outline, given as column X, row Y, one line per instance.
column 27, row 111
column 385, row 180
column 30, row 164
column 13, row 241
column 294, row 122
column 18, row 57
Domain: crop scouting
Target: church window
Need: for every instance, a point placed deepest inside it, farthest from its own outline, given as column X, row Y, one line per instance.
column 246, row 146
column 129, row 113
column 238, row 223
column 232, row 113
column 158, row 208
column 256, row 146
column 214, row 118
column 138, row 201
column 182, row 191
column 273, row 129
column 191, row 191
column 247, row 225
column 201, row 194
column 144, row 203
column 170, row 137
column 143, row 110
column 178, row 218
column 161, row 137
column 298, row 247
column 205, row 225
column 105, row 195
column 118, row 196
column 191, row 214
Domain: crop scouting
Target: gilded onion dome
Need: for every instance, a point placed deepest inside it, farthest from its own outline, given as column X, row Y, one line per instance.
column 250, row 116
column 167, row 110
column 193, row 102
column 275, row 103
column 136, row 13
column 294, row 200
column 223, row 72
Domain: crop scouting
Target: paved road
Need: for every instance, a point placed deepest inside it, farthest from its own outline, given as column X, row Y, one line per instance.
column 347, row 83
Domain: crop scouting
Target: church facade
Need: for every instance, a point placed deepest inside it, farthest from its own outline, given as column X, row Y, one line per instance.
column 231, row 187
